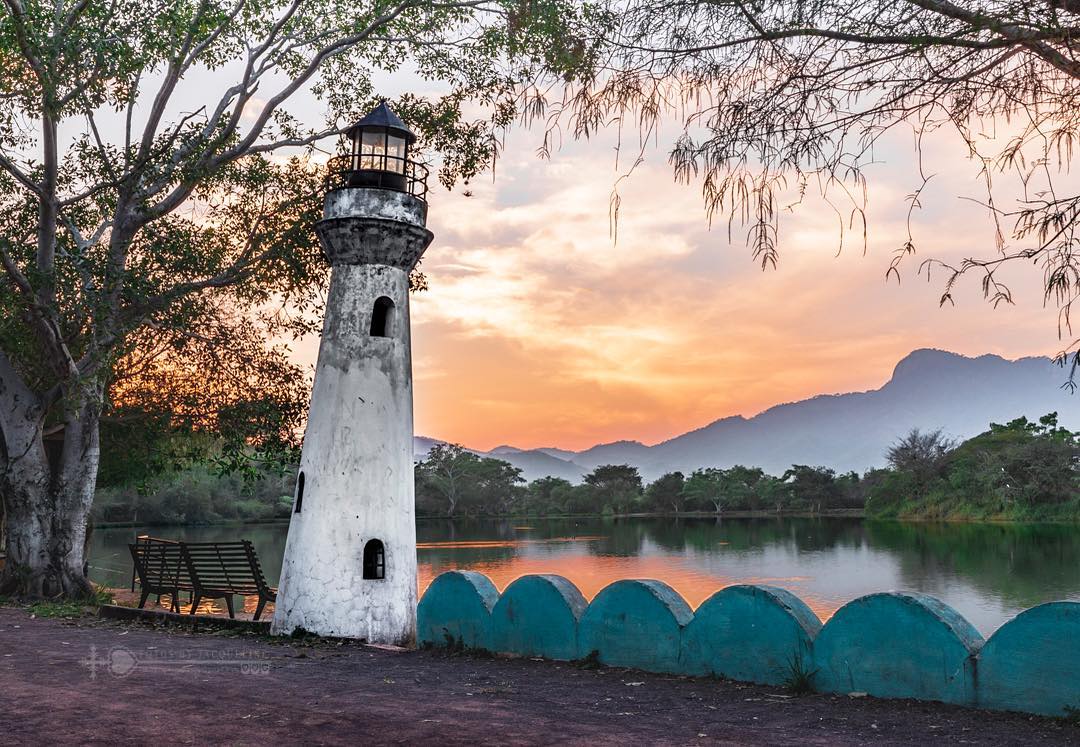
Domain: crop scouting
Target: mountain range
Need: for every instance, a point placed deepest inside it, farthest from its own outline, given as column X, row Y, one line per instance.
column 928, row 389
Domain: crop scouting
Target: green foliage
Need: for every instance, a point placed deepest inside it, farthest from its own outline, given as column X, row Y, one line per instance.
column 615, row 488
column 547, row 496
column 64, row 610
column 198, row 495
column 706, row 488
column 156, row 256
column 742, row 488
column 800, row 677
column 801, row 488
column 100, row 596
column 816, row 487
column 921, row 456
column 1020, row 471
column 453, row 481
column 667, row 493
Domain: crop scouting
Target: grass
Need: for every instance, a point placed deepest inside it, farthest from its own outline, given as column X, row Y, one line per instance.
column 100, row 596
column 63, row 610
column 941, row 507
column 591, row 661
column 800, row 678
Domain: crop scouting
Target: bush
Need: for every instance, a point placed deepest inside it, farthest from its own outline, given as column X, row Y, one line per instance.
column 198, row 496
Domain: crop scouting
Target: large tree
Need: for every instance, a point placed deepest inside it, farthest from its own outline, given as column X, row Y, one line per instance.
column 666, row 493
column 779, row 100
column 614, row 487
column 156, row 201
column 459, row 481
column 922, row 455
column 737, row 486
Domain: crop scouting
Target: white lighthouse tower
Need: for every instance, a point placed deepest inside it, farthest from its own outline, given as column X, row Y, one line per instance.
column 350, row 559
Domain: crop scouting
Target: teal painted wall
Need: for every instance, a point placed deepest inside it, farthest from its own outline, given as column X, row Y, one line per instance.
column 897, row 645
column 890, row 645
column 457, row 606
column 538, row 616
column 750, row 633
column 635, row 624
column 1032, row 662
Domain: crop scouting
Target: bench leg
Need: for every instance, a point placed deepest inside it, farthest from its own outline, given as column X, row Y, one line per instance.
column 228, row 604
column 142, row 598
column 195, row 603
column 259, row 608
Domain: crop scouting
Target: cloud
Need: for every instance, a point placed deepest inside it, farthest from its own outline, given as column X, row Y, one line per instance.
column 539, row 329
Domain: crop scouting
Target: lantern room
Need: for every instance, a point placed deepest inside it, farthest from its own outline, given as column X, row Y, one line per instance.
column 379, row 156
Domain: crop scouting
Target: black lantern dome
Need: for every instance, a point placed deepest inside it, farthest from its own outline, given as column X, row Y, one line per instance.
column 382, row 119
column 378, row 157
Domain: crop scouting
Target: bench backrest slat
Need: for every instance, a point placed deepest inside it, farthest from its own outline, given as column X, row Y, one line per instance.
column 159, row 564
column 231, row 567
column 225, row 565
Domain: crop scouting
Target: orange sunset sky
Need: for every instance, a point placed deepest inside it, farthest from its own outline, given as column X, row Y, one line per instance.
column 539, row 330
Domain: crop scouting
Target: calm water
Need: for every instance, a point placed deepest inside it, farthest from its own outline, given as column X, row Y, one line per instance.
column 989, row 573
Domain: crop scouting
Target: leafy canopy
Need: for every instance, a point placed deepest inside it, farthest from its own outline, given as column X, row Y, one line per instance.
column 157, row 191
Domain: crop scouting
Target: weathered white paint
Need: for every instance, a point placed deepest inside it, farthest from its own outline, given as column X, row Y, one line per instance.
column 375, row 203
column 357, row 456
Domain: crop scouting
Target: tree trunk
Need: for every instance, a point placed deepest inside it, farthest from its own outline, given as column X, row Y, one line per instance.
column 48, row 490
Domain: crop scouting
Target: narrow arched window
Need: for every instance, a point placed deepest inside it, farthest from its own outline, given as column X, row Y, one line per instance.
column 382, row 317
column 299, row 493
column 374, row 560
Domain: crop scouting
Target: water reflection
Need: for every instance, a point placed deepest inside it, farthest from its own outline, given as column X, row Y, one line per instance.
column 243, row 607
column 988, row 572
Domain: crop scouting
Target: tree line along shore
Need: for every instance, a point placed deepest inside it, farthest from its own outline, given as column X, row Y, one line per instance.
column 1019, row 471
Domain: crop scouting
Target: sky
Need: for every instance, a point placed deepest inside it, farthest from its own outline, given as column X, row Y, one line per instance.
column 539, row 329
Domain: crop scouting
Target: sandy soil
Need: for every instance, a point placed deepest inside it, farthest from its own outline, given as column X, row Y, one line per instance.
column 102, row 682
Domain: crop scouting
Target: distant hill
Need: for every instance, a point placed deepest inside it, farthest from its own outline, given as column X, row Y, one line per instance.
column 534, row 463
column 928, row 389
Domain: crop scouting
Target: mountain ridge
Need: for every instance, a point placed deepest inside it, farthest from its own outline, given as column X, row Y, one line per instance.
column 928, row 389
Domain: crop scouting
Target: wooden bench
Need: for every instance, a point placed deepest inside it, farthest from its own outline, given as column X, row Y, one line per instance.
column 220, row 569
column 207, row 570
column 161, row 569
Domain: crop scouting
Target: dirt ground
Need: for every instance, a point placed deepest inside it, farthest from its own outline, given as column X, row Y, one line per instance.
column 92, row 681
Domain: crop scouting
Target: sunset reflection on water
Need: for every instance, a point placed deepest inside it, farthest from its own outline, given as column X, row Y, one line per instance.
column 988, row 573
column 591, row 573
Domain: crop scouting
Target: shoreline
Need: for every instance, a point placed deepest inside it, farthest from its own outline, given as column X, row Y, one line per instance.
column 845, row 513
column 842, row 513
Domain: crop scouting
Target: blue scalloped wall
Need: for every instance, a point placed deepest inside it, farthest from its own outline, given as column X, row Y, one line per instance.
column 891, row 645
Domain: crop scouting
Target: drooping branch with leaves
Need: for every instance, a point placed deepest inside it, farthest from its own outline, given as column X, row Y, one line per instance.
column 777, row 100
column 156, row 203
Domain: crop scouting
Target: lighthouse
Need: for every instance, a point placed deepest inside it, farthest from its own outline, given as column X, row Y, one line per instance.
column 349, row 568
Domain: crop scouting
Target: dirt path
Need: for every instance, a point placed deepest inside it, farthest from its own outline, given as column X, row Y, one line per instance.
column 93, row 681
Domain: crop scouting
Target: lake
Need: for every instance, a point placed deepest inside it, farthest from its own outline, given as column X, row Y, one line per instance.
column 987, row 572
